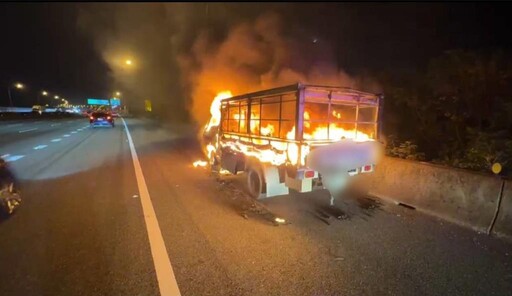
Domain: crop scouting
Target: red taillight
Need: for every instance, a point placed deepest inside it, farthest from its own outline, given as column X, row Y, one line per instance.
column 367, row 168
column 91, row 118
column 108, row 117
column 309, row 174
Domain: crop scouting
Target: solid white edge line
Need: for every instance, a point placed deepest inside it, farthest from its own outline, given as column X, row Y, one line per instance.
column 163, row 268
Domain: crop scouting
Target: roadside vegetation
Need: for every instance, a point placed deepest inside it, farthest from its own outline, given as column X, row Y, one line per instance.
column 457, row 112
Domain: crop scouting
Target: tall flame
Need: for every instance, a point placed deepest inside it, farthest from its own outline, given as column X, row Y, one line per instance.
column 215, row 108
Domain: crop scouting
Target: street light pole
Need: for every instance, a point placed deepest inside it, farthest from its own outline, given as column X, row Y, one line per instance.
column 18, row 86
column 9, row 93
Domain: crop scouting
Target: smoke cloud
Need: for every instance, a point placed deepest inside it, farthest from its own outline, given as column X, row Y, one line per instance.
column 257, row 55
column 184, row 54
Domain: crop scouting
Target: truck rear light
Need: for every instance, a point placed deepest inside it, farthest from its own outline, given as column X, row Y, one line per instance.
column 367, row 168
column 304, row 174
column 309, row 174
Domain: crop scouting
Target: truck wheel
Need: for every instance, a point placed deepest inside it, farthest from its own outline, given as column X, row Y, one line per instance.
column 255, row 183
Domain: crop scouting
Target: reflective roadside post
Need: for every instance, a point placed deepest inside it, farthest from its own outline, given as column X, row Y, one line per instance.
column 496, row 168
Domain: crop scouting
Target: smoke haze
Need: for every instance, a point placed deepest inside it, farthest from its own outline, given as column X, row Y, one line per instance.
column 184, row 54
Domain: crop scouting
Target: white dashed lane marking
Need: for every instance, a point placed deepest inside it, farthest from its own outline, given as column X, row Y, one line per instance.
column 28, row 130
column 11, row 158
column 56, row 140
column 66, row 135
column 39, row 147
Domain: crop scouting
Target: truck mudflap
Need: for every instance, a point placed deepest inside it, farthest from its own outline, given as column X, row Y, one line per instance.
column 268, row 181
column 273, row 181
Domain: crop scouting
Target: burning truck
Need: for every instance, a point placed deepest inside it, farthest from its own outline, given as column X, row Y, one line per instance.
column 300, row 137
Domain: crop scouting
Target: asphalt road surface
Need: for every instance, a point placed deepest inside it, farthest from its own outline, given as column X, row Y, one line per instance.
column 85, row 227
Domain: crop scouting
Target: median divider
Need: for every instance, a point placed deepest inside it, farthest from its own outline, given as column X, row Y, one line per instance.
column 460, row 196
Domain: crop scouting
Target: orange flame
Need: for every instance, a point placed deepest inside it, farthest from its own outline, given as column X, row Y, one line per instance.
column 199, row 163
column 215, row 109
column 281, row 151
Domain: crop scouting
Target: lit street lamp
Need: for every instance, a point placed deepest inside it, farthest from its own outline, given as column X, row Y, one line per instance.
column 118, row 94
column 17, row 85
column 128, row 62
column 44, row 93
column 56, row 97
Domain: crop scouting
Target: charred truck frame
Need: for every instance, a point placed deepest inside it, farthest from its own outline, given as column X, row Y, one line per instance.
column 296, row 136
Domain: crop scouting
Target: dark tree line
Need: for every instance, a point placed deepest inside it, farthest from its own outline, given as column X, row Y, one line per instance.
column 458, row 111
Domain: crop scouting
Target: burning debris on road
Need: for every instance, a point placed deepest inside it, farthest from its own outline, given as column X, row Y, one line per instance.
column 200, row 163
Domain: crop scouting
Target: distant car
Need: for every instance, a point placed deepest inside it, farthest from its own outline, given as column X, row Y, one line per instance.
column 38, row 109
column 101, row 119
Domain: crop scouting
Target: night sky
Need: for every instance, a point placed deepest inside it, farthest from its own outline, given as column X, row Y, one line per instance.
column 44, row 47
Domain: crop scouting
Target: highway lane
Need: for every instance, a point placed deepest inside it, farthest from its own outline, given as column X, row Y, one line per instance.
column 21, row 137
column 18, row 130
column 379, row 249
column 81, row 229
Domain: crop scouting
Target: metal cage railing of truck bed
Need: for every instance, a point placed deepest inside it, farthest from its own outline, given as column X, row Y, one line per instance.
column 299, row 112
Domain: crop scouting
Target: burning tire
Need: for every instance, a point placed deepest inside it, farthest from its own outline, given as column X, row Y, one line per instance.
column 255, row 182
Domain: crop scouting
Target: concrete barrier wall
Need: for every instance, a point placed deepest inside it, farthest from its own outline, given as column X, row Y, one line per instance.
column 455, row 195
column 503, row 226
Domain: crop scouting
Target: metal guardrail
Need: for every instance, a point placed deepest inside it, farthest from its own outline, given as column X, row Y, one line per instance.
column 23, row 110
column 15, row 109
